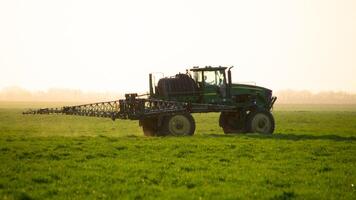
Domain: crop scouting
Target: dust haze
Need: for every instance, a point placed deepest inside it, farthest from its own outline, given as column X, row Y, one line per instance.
column 55, row 95
column 76, row 95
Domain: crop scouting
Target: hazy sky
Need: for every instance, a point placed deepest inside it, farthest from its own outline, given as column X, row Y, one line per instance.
column 113, row 45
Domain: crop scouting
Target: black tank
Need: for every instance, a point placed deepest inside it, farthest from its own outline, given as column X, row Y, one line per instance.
column 181, row 84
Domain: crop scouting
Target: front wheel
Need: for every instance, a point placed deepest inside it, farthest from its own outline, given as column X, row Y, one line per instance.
column 260, row 121
column 179, row 124
column 149, row 126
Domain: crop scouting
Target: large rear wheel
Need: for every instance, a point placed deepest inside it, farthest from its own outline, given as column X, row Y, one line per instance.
column 179, row 124
column 260, row 121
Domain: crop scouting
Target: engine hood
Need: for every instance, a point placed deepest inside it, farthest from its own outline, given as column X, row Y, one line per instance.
column 261, row 95
column 251, row 88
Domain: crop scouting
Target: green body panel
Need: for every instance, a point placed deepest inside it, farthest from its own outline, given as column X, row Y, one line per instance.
column 210, row 95
column 262, row 95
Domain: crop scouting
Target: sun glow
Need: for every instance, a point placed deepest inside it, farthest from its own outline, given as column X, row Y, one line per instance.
column 113, row 45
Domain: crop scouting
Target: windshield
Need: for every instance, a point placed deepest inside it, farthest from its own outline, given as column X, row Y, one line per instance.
column 214, row 77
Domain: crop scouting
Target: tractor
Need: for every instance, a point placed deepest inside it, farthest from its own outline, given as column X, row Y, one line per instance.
column 168, row 107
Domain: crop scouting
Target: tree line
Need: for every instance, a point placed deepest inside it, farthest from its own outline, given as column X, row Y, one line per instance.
column 74, row 95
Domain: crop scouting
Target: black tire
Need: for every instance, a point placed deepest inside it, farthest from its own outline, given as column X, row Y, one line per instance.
column 149, row 126
column 260, row 121
column 229, row 122
column 179, row 125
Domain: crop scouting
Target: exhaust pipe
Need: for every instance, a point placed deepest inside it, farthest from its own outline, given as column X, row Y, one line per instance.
column 150, row 84
column 229, row 82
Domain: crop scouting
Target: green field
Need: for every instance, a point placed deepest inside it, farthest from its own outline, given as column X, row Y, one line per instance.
column 312, row 155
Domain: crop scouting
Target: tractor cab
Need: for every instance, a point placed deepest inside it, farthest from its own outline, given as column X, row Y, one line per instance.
column 211, row 82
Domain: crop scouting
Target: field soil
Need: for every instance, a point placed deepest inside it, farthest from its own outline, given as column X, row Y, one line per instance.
column 311, row 155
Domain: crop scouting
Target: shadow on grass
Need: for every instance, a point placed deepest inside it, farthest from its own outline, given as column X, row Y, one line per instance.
column 292, row 137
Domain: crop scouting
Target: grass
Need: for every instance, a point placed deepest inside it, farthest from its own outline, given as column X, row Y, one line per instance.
column 310, row 156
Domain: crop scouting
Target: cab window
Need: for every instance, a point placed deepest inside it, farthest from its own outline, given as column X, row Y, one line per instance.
column 197, row 76
column 214, row 78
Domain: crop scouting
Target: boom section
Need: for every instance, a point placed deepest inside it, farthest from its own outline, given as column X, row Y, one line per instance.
column 132, row 108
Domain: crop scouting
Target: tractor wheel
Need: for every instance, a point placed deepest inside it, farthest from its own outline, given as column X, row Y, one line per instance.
column 260, row 121
column 179, row 125
column 149, row 126
column 229, row 121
